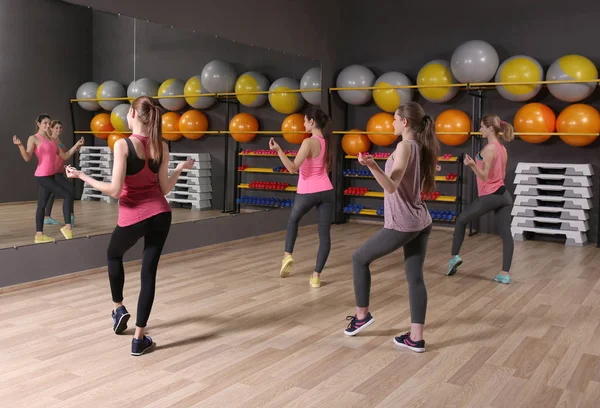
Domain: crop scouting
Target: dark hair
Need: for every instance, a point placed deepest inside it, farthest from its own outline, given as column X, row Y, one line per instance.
column 323, row 122
column 423, row 129
column 504, row 130
column 55, row 122
column 41, row 117
column 149, row 114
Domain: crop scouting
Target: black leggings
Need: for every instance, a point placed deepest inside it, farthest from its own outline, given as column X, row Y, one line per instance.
column 501, row 204
column 154, row 230
column 63, row 181
column 323, row 200
column 383, row 243
column 48, row 185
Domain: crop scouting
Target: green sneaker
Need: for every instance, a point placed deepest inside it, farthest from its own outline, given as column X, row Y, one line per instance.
column 50, row 221
column 502, row 279
column 453, row 265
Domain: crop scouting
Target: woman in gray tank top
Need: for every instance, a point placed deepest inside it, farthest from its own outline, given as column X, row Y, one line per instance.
column 409, row 170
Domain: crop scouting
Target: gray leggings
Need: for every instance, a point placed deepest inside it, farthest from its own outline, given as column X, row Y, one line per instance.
column 323, row 200
column 501, row 205
column 383, row 243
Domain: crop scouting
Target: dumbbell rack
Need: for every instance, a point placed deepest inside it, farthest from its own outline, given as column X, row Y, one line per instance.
column 97, row 162
column 193, row 188
column 552, row 199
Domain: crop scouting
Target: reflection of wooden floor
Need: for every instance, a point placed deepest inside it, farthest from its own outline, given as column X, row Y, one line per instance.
column 17, row 220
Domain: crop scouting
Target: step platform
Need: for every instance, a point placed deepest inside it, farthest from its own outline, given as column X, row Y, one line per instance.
column 96, row 157
column 557, row 202
column 550, row 212
column 564, row 169
column 190, row 188
column 196, row 166
column 199, row 157
column 573, row 238
column 556, row 191
column 552, row 179
column 96, row 171
column 550, row 223
column 189, row 196
column 94, row 150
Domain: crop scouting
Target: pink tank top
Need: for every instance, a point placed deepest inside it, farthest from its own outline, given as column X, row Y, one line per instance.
column 141, row 197
column 313, row 176
column 46, row 153
column 495, row 178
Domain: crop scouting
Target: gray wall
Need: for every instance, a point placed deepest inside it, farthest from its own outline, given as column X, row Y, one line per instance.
column 44, row 61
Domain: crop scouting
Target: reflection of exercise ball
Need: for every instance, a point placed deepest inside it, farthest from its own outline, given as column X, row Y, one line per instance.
column 452, row 120
column 311, row 79
column 142, row 87
column 170, row 123
column 294, row 123
column 243, row 122
column 474, row 61
column 118, row 117
column 110, row 89
column 381, row 122
column 355, row 142
column 193, row 121
column 171, row 87
column 88, row 90
column 192, row 88
column 252, row 81
column 437, row 72
column 286, row 102
column 578, row 118
column 519, row 68
column 535, row 117
column 112, row 139
column 101, row 123
column 572, row 67
column 218, row 76
column 389, row 100
column 355, row 76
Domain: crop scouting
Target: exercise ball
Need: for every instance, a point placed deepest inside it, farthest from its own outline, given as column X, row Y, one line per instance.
column 452, row 120
column 193, row 121
column 110, row 89
column 171, row 87
column 519, row 68
column 286, row 102
column 578, row 118
column 355, row 76
column 355, row 143
column 218, row 76
column 474, row 61
column 436, row 72
column 170, row 123
column 252, row 81
column 112, row 139
column 311, row 79
column 101, row 123
column 192, row 88
column 243, row 122
column 572, row 67
column 294, row 123
column 389, row 100
column 381, row 122
column 535, row 117
column 142, row 87
column 118, row 117
column 88, row 90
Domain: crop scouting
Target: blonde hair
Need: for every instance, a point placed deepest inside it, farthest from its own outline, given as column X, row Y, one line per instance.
column 504, row 130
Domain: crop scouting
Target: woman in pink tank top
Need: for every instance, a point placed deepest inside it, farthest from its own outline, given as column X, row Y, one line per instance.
column 489, row 168
column 313, row 163
column 140, row 180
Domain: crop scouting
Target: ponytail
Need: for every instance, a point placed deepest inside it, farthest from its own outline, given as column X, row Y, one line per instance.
column 508, row 132
column 504, row 130
column 149, row 114
column 323, row 122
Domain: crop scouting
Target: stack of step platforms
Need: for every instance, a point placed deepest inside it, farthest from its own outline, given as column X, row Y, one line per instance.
column 193, row 188
column 97, row 162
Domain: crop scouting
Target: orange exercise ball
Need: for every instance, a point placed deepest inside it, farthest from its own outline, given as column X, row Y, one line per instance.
column 578, row 118
column 101, row 123
column 170, row 123
column 381, row 122
column 243, row 122
column 355, row 142
column 112, row 139
column 535, row 117
column 452, row 120
column 294, row 123
column 193, row 121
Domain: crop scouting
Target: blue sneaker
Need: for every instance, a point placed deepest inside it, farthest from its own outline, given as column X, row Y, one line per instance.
column 72, row 220
column 120, row 319
column 140, row 346
column 406, row 342
column 356, row 326
column 453, row 265
column 502, row 279
column 50, row 221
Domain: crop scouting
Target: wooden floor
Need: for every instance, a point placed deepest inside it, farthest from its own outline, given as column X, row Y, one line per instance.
column 231, row 333
column 91, row 218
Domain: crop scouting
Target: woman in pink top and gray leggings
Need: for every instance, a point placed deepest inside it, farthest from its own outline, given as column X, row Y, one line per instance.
column 490, row 169
column 313, row 162
column 140, row 180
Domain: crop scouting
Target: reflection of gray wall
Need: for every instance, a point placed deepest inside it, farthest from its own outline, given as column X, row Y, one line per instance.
column 44, row 61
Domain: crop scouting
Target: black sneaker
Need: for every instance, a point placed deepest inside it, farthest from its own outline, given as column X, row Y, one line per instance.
column 140, row 346
column 406, row 342
column 356, row 326
column 120, row 319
